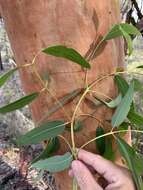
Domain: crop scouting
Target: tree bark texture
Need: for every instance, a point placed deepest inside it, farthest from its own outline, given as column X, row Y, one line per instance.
column 33, row 25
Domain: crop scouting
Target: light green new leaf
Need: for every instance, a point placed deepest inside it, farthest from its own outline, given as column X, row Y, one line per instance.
column 19, row 103
column 55, row 163
column 123, row 108
column 44, row 132
column 133, row 161
column 52, row 146
column 68, row 53
column 6, row 76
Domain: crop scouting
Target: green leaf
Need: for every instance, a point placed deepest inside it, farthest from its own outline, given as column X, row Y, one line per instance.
column 130, row 29
column 140, row 67
column 6, row 76
column 114, row 103
column 123, row 108
column 55, row 163
column 138, row 85
column 44, row 132
column 100, row 143
column 121, row 84
column 68, row 53
column 19, row 103
column 123, row 87
column 113, row 33
column 117, row 32
column 123, row 126
column 109, row 153
column 135, row 118
column 52, row 147
column 128, row 40
column 132, row 159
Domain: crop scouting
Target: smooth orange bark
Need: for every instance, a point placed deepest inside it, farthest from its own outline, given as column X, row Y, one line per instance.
column 33, row 25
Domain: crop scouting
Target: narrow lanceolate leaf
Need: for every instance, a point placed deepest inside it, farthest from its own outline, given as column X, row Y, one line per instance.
column 114, row 103
column 64, row 100
column 6, row 76
column 121, row 84
column 19, row 103
column 133, row 161
column 52, row 146
column 123, row 108
column 117, row 32
column 100, row 143
column 44, row 132
column 135, row 118
column 123, row 87
column 55, row 163
column 128, row 40
column 109, row 153
column 68, row 53
column 140, row 67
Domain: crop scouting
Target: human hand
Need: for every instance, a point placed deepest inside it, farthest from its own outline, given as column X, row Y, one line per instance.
column 117, row 177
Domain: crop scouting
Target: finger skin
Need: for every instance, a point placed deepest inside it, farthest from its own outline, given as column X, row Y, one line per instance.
column 83, row 176
column 104, row 167
column 118, row 178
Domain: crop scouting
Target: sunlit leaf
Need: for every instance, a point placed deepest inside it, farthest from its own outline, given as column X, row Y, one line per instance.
column 130, row 29
column 55, row 163
column 100, row 143
column 44, row 132
column 52, row 146
column 68, row 53
column 19, row 103
column 123, row 108
column 117, row 32
column 6, row 76
column 133, row 161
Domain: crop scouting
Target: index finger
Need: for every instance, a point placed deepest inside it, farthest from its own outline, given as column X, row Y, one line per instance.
column 104, row 167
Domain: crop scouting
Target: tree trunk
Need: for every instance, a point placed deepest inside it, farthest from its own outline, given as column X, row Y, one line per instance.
column 32, row 26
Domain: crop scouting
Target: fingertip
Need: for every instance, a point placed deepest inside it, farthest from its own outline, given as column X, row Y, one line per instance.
column 70, row 173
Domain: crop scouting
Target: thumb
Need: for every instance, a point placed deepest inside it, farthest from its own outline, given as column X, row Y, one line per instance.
column 83, row 176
